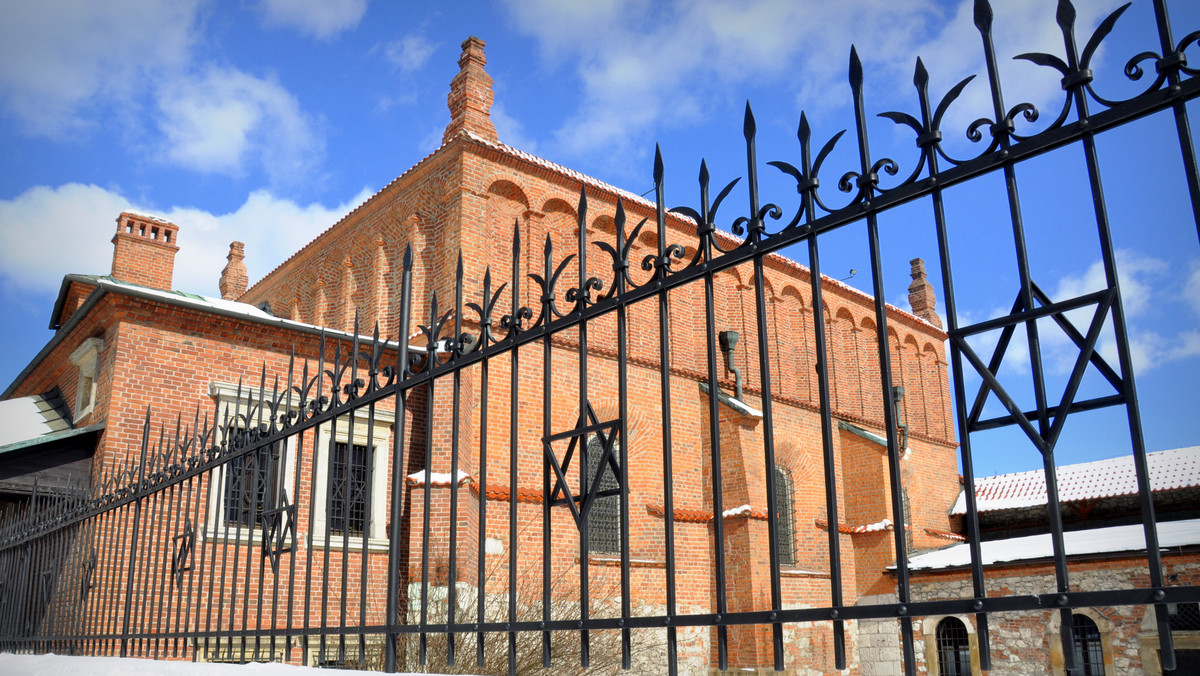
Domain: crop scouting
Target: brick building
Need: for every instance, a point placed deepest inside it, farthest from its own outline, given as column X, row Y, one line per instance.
column 126, row 340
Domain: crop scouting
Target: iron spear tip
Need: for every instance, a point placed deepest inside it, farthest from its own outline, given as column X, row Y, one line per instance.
column 983, row 16
column 920, row 75
column 1065, row 14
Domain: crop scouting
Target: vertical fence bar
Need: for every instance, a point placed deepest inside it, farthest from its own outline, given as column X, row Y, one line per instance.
column 867, row 183
column 485, row 326
column 513, row 441
column 1108, row 256
column 455, row 407
column 583, row 446
column 706, row 231
column 755, row 232
column 398, row 440
column 661, row 268
column 1172, row 60
column 547, row 397
column 971, row 523
column 807, row 188
column 137, row 513
column 623, row 440
column 430, row 362
column 1001, row 130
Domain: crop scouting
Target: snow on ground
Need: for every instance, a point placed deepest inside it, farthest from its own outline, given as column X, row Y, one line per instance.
column 62, row 665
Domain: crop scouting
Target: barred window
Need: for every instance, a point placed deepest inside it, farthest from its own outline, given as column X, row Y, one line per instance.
column 954, row 648
column 785, row 507
column 251, row 486
column 349, row 490
column 604, row 519
column 1089, row 652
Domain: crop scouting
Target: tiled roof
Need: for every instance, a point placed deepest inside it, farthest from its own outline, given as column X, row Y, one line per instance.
column 1174, row 469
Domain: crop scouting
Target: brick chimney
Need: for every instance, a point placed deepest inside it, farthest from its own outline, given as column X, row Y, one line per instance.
column 144, row 250
column 471, row 95
column 920, row 294
column 234, row 278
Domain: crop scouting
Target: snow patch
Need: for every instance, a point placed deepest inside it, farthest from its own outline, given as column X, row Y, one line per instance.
column 442, row 478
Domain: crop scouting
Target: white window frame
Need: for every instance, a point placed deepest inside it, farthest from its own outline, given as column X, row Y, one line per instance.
column 87, row 358
column 379, row 443
column 215, row 527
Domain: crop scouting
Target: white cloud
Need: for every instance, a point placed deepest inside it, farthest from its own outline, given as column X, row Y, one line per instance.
column 80, row 220
column 220, row 121
column 321, row 19
column 409, row 53
column 56, row 55
column 1191, row 289
column 1155, row 338
column 646, row 65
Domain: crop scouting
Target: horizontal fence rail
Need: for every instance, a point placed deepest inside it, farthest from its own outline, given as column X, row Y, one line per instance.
column 317, row 515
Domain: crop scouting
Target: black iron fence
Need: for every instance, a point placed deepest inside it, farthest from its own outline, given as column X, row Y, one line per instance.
column 279, row 527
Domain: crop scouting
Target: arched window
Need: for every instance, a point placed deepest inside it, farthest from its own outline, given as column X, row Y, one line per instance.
column 1089, row 651
column 954, row 648
column 785, row 506
column 604, row 519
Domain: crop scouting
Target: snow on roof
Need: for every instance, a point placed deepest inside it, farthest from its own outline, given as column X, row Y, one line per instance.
column 228, row 308
column 1031, row 547
column 439, row 478
column 29, row 417
column 147, row 216
column 1178, row 468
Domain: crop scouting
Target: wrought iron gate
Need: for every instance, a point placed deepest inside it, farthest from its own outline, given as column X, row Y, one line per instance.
column 210, row 546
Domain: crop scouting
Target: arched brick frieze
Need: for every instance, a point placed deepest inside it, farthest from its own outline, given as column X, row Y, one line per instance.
column 846, row 353
column 794, row 336
column 379, row 300
column 936, row 391
column 507, row 206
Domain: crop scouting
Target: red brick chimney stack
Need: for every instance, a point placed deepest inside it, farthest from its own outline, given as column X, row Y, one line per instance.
column 471, row 95
column 144, row 250
column 920, row 294
column 234, row 278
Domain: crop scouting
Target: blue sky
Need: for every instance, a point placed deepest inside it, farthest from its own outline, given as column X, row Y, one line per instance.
column 265, row 121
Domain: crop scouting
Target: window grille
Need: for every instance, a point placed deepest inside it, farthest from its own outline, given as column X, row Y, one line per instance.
column 349, row 490
column 1185, row 617
column 954, row 648
column 1089, row 652
column 604, row 520
column 785, row 507
column 251, row 483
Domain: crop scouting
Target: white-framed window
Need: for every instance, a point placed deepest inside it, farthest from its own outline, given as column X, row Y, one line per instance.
column 87, row 358
column 249, row 485
column 352, row 479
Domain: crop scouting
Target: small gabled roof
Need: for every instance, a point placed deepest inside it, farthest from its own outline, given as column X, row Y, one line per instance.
column 214, row 306
column 1169, row 470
